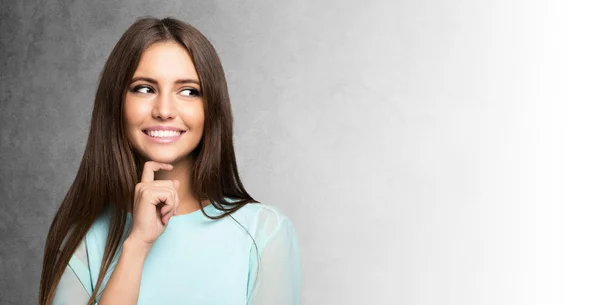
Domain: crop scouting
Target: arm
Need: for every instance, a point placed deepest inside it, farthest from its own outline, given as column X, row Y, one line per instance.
column 74, row 287
column 279, row 269
column 123, row 287
column 69, row 290
column 149, row 221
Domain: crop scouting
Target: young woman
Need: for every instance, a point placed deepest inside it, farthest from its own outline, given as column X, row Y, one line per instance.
column 157, row 213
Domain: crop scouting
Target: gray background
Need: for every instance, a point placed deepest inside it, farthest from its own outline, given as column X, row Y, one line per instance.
column 428, row 152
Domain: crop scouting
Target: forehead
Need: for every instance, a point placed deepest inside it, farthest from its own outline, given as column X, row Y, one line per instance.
column 166, row 62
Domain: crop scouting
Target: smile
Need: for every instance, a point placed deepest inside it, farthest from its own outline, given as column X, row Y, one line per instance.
column 163, row 136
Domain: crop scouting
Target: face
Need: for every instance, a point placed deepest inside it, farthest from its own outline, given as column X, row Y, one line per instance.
column 164, row 93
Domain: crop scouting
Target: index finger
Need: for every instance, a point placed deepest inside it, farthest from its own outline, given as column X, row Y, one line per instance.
column 150, row 167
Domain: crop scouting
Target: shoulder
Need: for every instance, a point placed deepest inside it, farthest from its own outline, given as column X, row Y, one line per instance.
column 96, row 238
column 262, row 214
column 267, row 221
column 272, row 210
column 100, row 227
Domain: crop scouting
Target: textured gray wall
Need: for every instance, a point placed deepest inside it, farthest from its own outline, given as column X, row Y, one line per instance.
column 428, row 152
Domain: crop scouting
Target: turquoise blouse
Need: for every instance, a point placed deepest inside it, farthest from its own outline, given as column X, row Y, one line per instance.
column 198, row 260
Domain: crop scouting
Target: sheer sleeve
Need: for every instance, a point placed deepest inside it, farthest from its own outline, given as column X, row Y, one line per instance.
column 74, row 287
column 275, row 274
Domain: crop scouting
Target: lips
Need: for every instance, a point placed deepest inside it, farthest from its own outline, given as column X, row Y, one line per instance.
column 163, row 127
column 163, row 136
column 163, row 133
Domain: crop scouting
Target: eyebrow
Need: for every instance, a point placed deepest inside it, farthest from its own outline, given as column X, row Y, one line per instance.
column 155, row 82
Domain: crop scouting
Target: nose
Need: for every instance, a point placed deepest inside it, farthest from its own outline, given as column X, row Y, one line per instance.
column 164, row 106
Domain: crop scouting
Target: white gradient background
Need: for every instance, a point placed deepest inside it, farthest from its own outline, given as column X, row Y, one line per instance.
column 428, row 152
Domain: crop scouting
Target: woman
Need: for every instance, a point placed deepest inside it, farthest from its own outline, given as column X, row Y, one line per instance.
column 157, row 213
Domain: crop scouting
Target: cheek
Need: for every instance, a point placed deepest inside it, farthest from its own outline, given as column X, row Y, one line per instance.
column 134, row 113
column 193, row 116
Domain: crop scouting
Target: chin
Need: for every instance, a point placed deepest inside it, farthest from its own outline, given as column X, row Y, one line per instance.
column 167, row 158
column 162, row 158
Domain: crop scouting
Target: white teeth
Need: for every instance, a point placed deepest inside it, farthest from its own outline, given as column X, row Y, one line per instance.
column 163, row 133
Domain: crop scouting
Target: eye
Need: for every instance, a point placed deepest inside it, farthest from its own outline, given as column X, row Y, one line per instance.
column 190, row 92
column 142, row 89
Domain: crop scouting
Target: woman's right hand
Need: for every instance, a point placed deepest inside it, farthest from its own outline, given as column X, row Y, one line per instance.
column 154, row 204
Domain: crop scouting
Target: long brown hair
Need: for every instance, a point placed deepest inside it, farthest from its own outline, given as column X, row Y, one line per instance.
column 110, row 167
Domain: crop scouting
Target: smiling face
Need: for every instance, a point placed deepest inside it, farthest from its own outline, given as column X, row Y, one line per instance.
column 164, row 93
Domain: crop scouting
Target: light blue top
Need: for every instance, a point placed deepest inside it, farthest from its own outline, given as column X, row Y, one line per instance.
column 198, row 261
